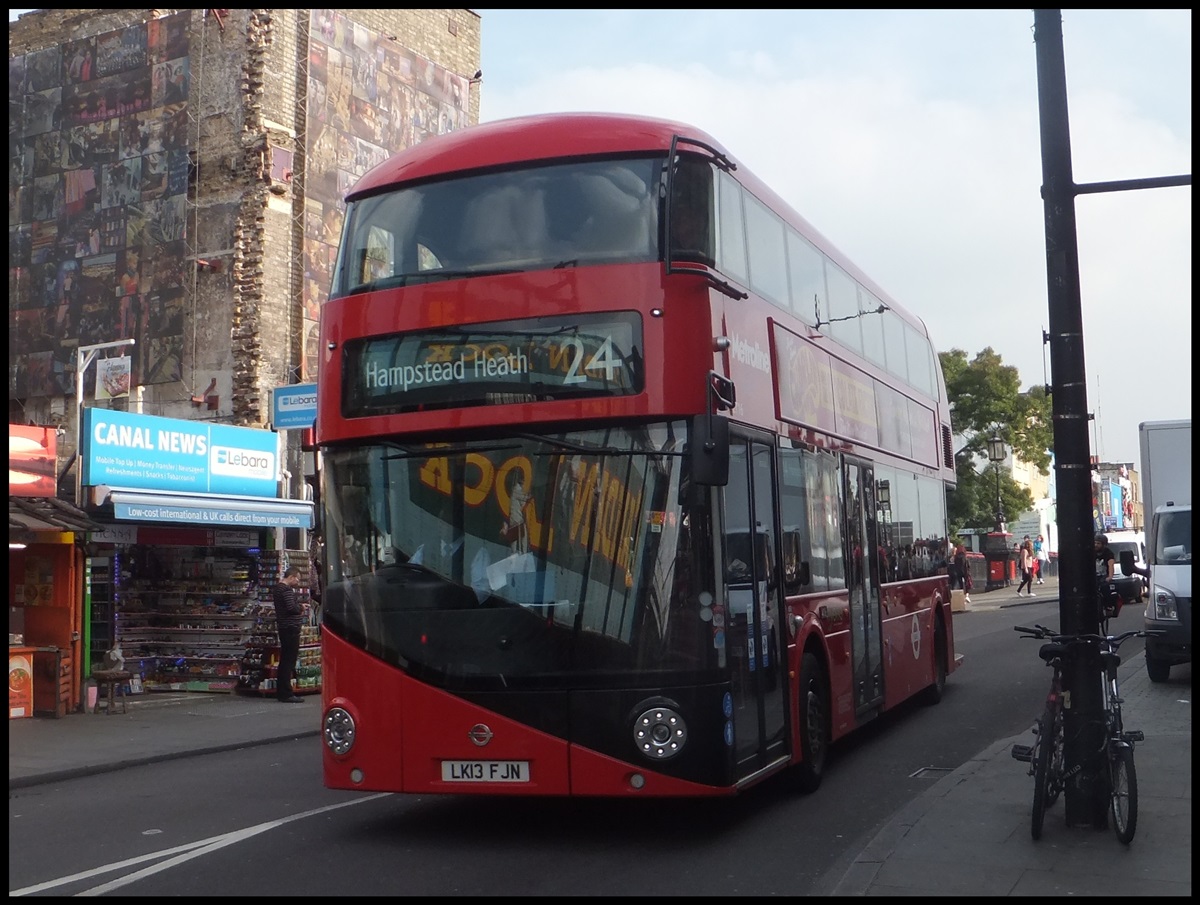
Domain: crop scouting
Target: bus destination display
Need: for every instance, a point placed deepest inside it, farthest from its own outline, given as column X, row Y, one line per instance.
column 508, row 361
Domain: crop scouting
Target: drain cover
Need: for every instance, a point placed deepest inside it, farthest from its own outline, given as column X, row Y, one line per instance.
column 929, row 773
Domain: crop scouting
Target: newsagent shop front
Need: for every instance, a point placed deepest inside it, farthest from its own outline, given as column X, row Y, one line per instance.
column 178, row 580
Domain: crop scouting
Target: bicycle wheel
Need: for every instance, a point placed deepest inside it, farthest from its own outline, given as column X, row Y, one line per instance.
column 1123, row 791
column 1042, row 758
column 1054, row 776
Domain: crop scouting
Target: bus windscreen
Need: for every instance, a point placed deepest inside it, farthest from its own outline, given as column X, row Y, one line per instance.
column 534, row 218
column 528, row 560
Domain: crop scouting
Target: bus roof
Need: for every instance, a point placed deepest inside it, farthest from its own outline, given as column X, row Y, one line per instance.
column 524, row 138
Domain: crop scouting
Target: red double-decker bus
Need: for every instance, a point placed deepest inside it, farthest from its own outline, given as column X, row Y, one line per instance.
column 631, row 484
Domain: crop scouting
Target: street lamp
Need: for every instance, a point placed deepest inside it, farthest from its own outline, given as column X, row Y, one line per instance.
column 84, row 356
column 997, row 453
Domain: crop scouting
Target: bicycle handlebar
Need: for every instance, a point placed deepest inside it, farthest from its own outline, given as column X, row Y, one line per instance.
column 1040, row 631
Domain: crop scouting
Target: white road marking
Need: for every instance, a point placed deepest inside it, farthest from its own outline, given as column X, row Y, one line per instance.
column 180, row 853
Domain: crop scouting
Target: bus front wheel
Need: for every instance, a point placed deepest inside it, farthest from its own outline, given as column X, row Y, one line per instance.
column 813, row 713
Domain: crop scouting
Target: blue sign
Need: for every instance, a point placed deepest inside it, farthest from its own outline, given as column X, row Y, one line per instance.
column 294, row 406
column 124, row 449
column 201, row 513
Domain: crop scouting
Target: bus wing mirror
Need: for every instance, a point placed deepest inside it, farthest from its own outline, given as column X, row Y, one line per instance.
column 709, row 450
column 1127, row 564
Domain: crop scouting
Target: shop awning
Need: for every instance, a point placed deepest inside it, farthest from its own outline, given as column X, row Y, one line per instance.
column 29, row 515
column 213, row 511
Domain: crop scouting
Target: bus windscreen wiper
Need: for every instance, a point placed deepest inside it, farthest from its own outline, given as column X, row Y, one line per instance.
column 449, row 450
column 560, row 443
column 400, row 280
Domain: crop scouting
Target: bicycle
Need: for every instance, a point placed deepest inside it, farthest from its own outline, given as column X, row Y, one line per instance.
column 1045, row 756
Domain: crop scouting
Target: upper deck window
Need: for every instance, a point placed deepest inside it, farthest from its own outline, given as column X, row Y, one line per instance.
column 731, row 236
column 533, row 218
column 767, row 242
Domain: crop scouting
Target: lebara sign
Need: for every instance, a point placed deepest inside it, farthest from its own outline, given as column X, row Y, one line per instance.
column 147, row 452
column 294, row 406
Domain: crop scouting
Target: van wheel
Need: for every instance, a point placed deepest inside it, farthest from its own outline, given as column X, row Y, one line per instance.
column 1157, row 670
column 813, row 713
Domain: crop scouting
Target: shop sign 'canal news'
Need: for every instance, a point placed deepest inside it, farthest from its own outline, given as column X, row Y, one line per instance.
column 147, row 452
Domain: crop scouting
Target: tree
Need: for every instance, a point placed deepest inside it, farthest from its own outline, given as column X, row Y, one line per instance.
column 985, row 398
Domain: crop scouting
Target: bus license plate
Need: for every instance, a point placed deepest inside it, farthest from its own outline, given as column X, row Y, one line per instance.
column 485, row 771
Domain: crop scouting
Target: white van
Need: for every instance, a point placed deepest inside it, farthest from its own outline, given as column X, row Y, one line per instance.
column 1134, row 588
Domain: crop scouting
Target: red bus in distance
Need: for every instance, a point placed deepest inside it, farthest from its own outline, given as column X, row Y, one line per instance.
column 631, row 484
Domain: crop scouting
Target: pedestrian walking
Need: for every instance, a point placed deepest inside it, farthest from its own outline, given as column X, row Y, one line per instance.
column 1026, row 564
column 289, row 618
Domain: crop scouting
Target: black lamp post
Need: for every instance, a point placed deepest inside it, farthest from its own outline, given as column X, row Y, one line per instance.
column 996, row 453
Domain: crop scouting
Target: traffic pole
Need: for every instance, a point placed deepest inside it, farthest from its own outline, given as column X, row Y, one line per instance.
column 1086, row 792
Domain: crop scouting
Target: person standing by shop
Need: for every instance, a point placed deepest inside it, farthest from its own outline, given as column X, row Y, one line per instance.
column 289, row 617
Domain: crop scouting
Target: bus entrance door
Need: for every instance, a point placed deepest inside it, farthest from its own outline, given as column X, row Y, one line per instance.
column 752, row 588
column 866, row 631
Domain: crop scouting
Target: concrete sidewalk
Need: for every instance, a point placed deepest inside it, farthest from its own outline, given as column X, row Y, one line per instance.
column 158, row 726
column 1006, row 597
column 970, row 834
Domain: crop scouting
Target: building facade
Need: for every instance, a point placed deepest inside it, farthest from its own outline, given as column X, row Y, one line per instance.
column 1117, row 497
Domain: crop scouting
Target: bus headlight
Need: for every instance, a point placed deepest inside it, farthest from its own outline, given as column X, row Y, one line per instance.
column 659, row 733
column 339, row 730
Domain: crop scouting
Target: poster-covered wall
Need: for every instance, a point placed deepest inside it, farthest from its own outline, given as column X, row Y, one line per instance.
column 98, row 173
column 98, row 182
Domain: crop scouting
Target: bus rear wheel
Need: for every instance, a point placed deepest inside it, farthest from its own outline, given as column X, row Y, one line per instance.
column 933, row 693
column 813, row 713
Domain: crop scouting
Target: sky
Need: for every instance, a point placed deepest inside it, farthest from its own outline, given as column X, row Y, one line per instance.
column 910, row 139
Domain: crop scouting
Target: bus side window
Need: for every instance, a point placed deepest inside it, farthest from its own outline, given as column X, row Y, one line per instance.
column 732, row 233
column 795, row 568
column 798, row 541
